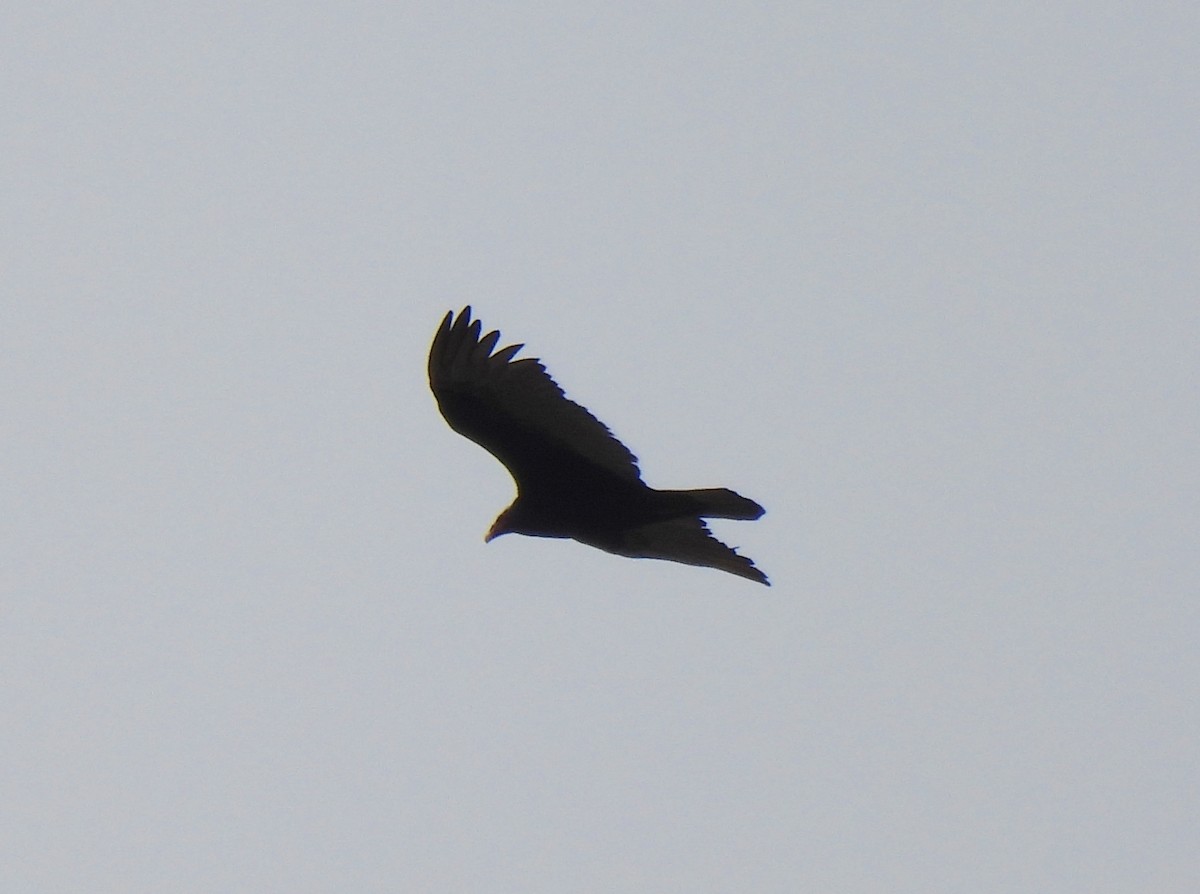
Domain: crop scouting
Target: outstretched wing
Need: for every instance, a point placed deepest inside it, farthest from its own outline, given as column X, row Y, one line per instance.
column 689, row 541
column 514, row 410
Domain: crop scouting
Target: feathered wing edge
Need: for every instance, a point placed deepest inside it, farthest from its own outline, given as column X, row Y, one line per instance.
column 462, row 365
column 689, row 541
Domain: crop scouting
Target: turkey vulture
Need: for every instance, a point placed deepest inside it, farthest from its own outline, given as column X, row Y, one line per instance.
column 574, row 479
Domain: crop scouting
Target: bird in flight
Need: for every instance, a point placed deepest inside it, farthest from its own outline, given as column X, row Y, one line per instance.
column 574, row 479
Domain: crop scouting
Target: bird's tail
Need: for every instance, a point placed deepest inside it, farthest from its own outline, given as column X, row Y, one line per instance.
column 720, row 502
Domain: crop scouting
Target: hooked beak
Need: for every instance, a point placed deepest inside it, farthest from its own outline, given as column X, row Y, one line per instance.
column 499, row 526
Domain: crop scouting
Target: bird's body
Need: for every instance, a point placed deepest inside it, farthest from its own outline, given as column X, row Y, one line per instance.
column 574, row 479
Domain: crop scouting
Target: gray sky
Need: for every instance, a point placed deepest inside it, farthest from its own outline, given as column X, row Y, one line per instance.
column 921, row 281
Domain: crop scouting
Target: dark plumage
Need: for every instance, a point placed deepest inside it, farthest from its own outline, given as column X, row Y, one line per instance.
column 574, row 479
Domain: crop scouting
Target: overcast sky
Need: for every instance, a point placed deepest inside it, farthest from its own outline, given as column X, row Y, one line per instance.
column 921, row 279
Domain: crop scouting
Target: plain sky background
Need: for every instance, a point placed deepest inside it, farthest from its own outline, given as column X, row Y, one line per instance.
column 921, row 278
